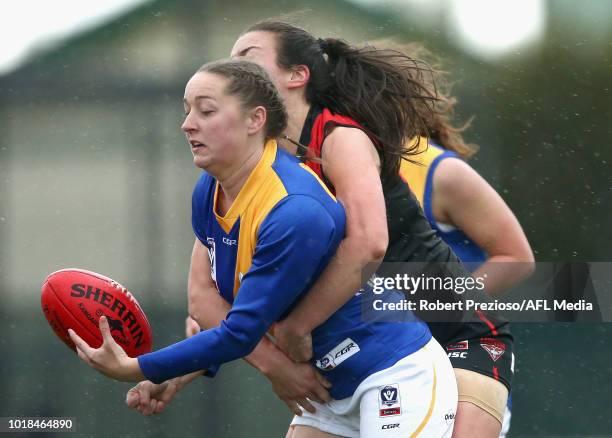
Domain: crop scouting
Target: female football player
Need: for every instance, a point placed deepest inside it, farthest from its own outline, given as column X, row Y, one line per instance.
column 332, row 88
column 265, row 228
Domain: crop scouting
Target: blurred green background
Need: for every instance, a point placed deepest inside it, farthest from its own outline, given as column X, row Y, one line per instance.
column 95, row 173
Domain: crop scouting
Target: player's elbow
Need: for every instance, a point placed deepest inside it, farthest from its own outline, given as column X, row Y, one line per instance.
column 528, row 264
column 522, row 263
column 196, row 307
column 365, row 248
column 374, row 245
column 367, row 235
column 525, row 259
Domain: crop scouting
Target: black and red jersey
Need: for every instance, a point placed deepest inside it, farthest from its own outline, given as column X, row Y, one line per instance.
column 411, row 237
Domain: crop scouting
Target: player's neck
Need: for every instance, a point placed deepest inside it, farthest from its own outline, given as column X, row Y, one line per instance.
column 297, row 109
column 233, row 179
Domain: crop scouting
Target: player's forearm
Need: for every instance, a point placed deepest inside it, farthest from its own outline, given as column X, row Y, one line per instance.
column 341, row 279
column 499, row 273
column 208, row 309
column 266, row 357
column 183, row 381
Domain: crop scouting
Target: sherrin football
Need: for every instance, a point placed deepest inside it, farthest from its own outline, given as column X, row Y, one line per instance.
column 76, row 299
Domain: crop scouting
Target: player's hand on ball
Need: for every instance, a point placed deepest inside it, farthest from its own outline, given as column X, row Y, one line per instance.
column 149, row 398
column 297, row 383
column 298, row 346
column 109, row 359
column 191, row 327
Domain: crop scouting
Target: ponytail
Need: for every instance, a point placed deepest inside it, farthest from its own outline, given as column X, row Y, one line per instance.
column 389, row 93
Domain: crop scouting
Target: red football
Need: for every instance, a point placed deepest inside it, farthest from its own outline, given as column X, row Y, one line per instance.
column 76, row 299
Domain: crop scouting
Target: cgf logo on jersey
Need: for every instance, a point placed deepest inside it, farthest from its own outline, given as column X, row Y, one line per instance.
column 389, row 401
column 338, row 354
column 229, row 242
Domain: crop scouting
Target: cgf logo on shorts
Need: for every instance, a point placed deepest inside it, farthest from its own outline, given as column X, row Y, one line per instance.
column 390, row 426
column 389, row 403
column 338, row 354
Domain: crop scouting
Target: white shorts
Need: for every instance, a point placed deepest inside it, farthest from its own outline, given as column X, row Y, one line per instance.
column 416, row 396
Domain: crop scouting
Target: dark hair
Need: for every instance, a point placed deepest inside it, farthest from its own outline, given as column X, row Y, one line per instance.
column 440, row 126
column 390, row 93
column 252, row 85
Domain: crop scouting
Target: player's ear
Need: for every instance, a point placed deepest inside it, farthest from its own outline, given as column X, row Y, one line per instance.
column 300, row 75
column 256, row 119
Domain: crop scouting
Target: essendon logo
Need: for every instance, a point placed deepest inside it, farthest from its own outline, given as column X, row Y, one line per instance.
column 463, row 345
column 495, row 348
column 115, row 305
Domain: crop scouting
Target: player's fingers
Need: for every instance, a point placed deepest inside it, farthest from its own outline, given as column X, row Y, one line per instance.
column 85, row 358
column 321, row 390
column 148, row 409
column 293, row 407
column 80, row 343
column 145, row 395
column 82, row 356
column 191, row 327
column 132, row 398
column 316, row 397
column 160, row 407
column 169, row 393
column 152, row 406
column 300, row 354
column 307, row 405
column 322, row 395
column 105, row 329
column 322, row 380
column 306, row 353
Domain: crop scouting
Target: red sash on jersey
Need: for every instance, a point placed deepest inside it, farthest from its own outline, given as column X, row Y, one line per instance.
column 322, row 125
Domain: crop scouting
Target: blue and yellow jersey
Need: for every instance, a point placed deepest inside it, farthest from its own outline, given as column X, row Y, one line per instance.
column 419, row 176
column 266, row 252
